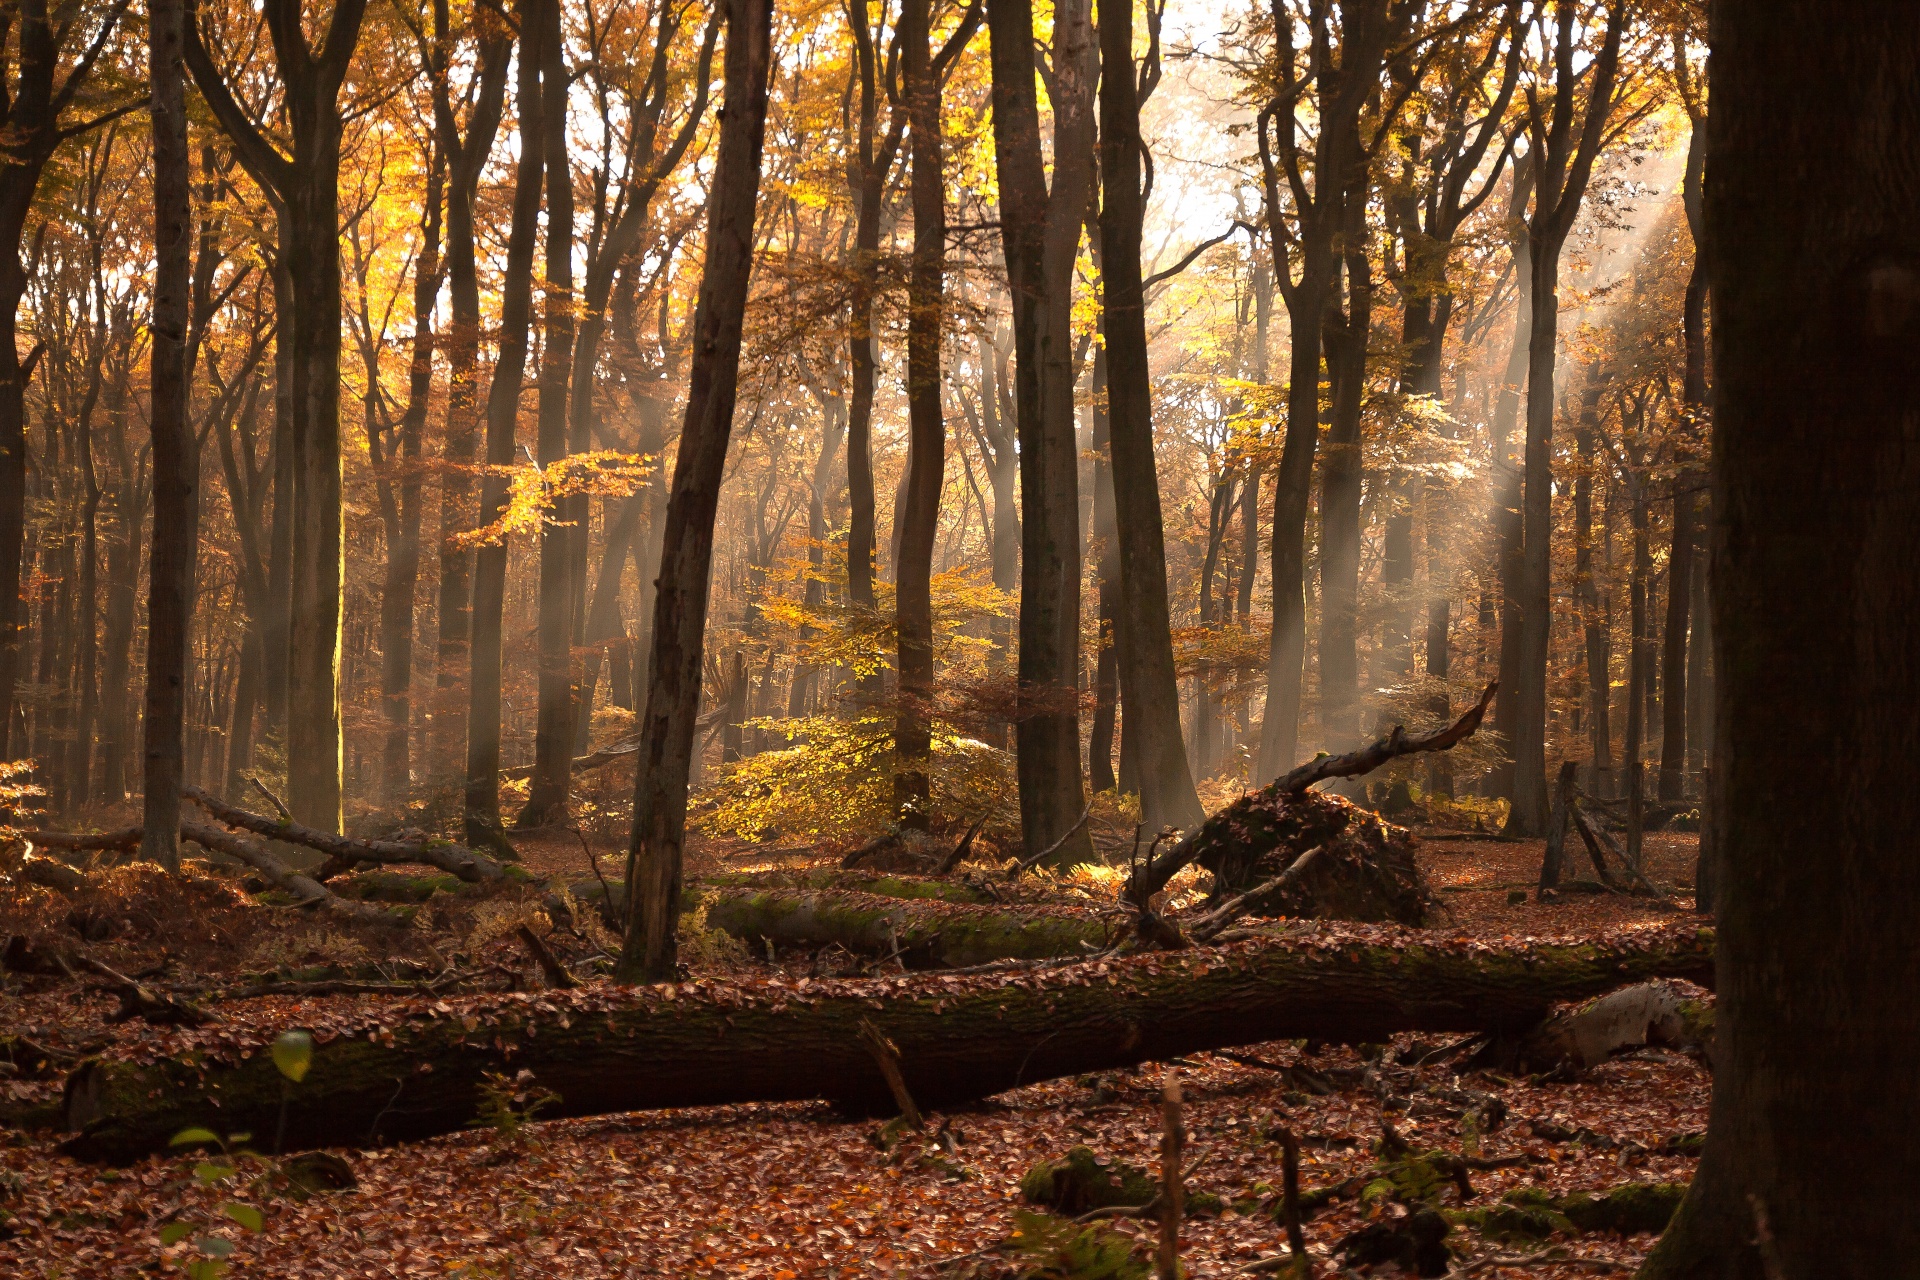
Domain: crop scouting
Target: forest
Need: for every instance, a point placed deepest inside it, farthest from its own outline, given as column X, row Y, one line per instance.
column 959, row 639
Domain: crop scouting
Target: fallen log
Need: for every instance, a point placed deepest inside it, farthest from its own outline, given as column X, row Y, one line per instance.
column 413, row 1068
column 923, row 934
column 1285, row 818
column 345, row 851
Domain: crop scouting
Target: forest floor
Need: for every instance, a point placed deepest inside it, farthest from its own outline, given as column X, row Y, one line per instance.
column 798, row 1190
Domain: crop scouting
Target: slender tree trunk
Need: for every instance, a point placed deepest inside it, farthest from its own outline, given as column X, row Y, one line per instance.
column 277, row 617
column 176, row 463
column 403, row 535
column 553, row 733
column 919, row 515
column 503, row 411
column 1148, row 682
column 1040, row 230
column 1595, row 619
column 1106, row 671
column 1639, row 652
column 1673, row 676
column 1816, row 510
column 680, row 603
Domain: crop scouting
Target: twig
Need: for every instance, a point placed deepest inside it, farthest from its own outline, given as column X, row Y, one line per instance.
column 1021, row 867
column 960, row 851
column 279, row 806
column 1207, row 927
column 556, row 973
column 888, row 1057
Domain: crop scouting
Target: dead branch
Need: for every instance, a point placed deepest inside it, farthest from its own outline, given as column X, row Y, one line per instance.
column 555, row 972
column 460, row 861
column 306, row 890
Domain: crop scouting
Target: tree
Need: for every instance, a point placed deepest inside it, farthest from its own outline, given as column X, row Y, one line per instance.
column 35, row 113
column 503, row 412
column 923, row 74
column 1816, row 507
column 1566, row 130
column 304, row 187
column 1312, row 174
column 1148, row 686
column 686, row 556
column 1040, row 226
column 176, row 455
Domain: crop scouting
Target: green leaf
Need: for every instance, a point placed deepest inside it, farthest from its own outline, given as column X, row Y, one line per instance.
column 246, row 1215
column 206, row 1269
column 191, row 1137
column 210, row 1173
column 293, row 1054
column 173, row 1233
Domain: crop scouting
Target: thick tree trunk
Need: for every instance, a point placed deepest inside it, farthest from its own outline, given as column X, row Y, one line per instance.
column 553, row 728
column 960, row 1038
column 503, row 410
column 666, row 729
column 176, row 458
column 1816, row 510
column 1595, row 615
column 1148, row 683
column 1345, row 338
column 1040, row 230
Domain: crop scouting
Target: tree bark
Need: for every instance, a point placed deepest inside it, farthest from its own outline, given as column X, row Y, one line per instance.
column 1566, row 154
column 1148, row 684
column 918, row 515
column 666, row 729
column 1816, row 305
column 1040, row 231
column 1341, row 472
column 960, row 1037
column 553, row 726
column 176, row 457
column 482, row 800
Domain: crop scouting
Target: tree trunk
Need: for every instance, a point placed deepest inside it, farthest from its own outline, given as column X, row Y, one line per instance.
column 960, row 1038
column 176, row 457
column 1345, row 338
column 1673, row 674
column 553, row 732
column 1106, row 670
column 403, row 536
column 918, row 516
column 503, row 411
column 1573, row 132
column 1816, row 510
column 1040, row 231
column 1148, row 682
column 1595, row 616
column 666, row 728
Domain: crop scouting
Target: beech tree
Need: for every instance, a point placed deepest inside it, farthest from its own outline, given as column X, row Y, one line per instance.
column 1816, row 310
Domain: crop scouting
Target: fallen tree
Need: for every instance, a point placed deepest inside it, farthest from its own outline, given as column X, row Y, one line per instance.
column 344, row 852
column 1367, row 871
column 413, row 1068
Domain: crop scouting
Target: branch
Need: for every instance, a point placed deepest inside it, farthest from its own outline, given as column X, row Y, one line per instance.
column 1394, row 745
column 462, row 862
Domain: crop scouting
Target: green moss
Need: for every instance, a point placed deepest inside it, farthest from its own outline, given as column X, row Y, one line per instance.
column 1528, row 1213
column 1050, row 1249
column 1080, row 1181
column 1628, row 1210
column 393, row 886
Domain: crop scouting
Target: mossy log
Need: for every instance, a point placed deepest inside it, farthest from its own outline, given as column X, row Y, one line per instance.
column 923, row 934
column 412, row 1068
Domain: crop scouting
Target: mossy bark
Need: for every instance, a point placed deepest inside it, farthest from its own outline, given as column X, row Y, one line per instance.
column 413, row 1068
